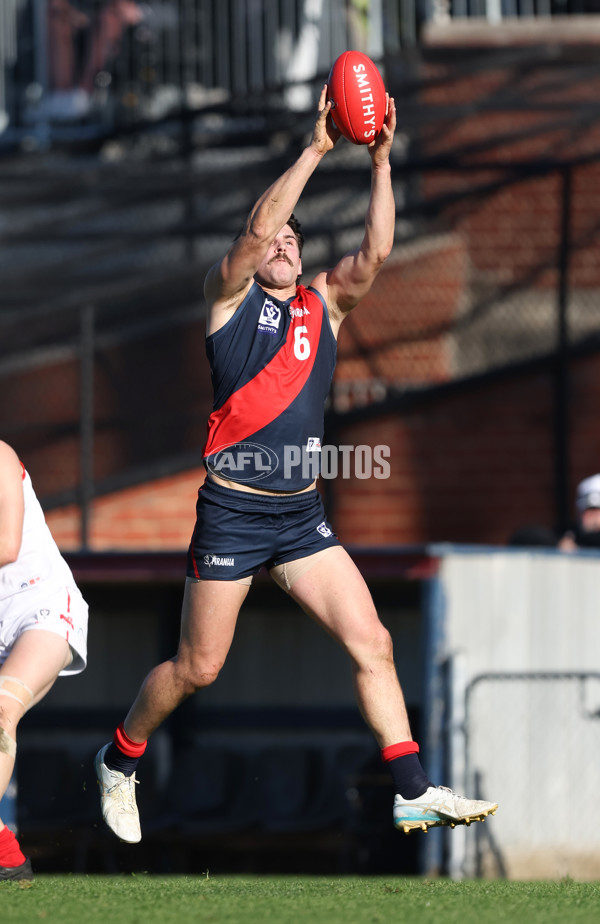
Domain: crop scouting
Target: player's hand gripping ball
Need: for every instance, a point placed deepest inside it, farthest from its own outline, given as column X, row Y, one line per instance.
column 357, row 93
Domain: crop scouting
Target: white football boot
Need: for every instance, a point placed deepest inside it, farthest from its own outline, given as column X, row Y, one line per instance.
column 439, row 806
column 117, row 798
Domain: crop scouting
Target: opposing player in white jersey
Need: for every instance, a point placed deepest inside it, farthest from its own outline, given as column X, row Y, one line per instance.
column 43, row 625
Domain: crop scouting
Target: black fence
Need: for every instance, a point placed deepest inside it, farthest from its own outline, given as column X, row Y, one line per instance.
column 104, row 249
column 86, row 68
column 102, row 314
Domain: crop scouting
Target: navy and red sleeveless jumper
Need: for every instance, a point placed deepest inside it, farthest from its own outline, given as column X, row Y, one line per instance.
column 271, row 365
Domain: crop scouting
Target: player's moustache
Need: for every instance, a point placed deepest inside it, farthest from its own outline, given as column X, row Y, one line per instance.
column 280, row 256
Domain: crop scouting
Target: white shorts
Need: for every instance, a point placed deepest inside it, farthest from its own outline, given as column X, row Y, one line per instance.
column 60, row 610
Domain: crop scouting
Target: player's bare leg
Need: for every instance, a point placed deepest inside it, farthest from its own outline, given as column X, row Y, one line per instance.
column 28, row 673
column 208, row 620
column 334, row 593
column 209, row 615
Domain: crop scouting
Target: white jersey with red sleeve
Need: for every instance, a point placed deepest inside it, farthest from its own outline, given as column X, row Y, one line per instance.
column 39, row 562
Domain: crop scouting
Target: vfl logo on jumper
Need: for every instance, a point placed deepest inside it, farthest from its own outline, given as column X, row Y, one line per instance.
column 224, row 561
column 243, row 462
column 324, row 530
column 270, row 316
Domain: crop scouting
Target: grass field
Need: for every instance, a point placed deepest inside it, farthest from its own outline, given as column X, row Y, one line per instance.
column 144, row 899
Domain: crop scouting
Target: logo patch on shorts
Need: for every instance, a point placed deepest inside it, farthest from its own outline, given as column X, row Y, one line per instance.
column 224, row 561
column 324, row 530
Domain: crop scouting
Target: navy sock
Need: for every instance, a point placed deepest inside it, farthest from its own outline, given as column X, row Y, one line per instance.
column 410, row 780
column 116, row 760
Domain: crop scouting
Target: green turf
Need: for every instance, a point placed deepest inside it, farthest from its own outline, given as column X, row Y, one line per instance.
column 144, row 899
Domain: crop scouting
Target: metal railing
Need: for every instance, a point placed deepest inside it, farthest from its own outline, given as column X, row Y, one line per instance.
column 102, row 272
column 93, row 63
column 80, row 67
column 528, row 736
column 110, row 252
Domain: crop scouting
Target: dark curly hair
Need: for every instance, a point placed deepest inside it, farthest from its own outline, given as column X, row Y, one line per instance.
column 296, row 228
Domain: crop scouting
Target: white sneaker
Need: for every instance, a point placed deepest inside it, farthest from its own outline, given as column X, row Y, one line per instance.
column 439, row 806
column 117, row 798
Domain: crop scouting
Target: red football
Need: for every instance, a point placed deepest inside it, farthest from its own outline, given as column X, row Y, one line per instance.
column 357, row 92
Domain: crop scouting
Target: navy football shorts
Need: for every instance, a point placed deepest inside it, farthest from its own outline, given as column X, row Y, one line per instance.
column 237, row 532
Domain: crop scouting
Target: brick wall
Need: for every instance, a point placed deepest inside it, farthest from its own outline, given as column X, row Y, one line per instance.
column 490, row 111
column 418, row 291
column 472, row 465
column 157, row 516
column 466, row 467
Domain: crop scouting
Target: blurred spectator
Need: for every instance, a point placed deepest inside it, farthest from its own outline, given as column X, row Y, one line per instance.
column 74, row 62
column 66, row 100
column 113, row 20
column 586, row 531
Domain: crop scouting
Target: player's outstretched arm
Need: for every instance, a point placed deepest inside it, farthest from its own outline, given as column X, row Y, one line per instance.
column 11, row 504
column 353, row 276
column 276, row 205
column 228, row 280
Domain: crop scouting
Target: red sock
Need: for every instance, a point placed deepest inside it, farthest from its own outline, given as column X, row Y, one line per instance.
column 403, row 762
column 128, row 747
column 10, row 852
column 399, row 750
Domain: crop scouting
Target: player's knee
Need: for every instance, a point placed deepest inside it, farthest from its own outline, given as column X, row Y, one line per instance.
column 8, row 743
column 13, row 690
column 10, row 714
column 375, row 645
column 371, row 645
column 381, row 643
column 201, row 674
